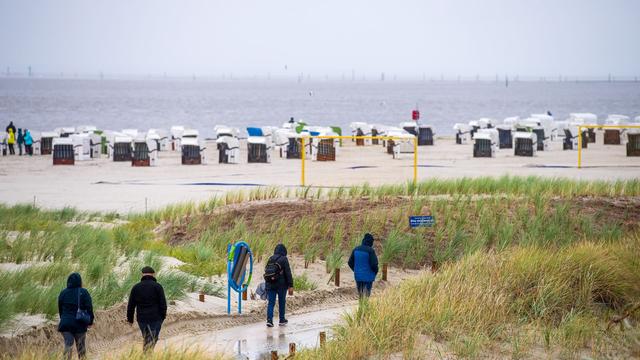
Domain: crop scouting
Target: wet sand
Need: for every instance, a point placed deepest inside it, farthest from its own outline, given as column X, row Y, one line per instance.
column 103, row 185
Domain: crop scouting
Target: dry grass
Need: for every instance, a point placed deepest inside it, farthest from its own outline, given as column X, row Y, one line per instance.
column 511, row 302
column 132, row 354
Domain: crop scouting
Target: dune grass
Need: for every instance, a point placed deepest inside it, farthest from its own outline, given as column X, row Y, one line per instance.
column 474, row 218
column 528, row 297
column 131, row 354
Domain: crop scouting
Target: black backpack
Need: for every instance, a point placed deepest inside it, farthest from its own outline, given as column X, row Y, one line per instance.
column 272, row 271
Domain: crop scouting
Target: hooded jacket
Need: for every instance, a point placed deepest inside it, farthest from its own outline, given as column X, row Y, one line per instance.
column 68, row 305
column 363, row 261
column 20, row 137
column 286, row 280
column 11, row 126
column 28, row 140
column 147, row 300
column 12, row 137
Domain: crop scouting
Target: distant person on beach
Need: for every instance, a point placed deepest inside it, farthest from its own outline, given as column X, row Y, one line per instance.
column 76, row 316
column 364, row 263
column 11, row 140
column 20, row 141
column 28, row 142
column 148, row 301
column 278, row 279
column 11, row 126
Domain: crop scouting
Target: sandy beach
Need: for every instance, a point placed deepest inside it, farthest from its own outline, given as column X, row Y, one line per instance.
column 103, row 185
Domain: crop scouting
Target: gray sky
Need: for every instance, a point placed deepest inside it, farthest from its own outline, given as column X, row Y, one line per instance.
column 404, row 37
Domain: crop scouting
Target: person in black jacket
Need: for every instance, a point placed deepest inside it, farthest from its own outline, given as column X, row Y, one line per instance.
column 280, row 287
column 73, row 330
column 11, row 126
column 148, row 300
column 364, row 263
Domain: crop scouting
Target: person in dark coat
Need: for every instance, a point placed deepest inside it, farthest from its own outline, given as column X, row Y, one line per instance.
column 280, row 287
column 147, row 300
column 11, row 126
column 20, row 141
column 364, row 263
column 74, row 330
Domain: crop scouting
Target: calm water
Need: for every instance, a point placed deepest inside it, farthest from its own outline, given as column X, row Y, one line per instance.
column 44, row 104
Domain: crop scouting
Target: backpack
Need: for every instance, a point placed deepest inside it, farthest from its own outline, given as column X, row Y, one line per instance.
column 272, row 271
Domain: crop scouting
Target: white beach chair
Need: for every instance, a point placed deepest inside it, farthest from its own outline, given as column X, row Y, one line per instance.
column 228, row 150
column 63, row 152
column 525, row 143
column 463, row 133
column 485, row 143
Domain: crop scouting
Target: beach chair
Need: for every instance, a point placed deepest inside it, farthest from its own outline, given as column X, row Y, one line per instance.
column 505, row 138
column 121, row 151
column 63, row 152
column 525, row 143
column 258, row 152
column 484, row 143
column 463, row 133
column 633, row 141
column 81, row 146
column 144, row 151
column 613, row 136
column 425, row 135
column 228, row 150
column 192, row 151
column 326, row 150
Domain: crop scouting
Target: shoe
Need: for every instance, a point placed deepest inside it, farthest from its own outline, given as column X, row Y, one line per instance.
column 283, row 322
column 269, row 323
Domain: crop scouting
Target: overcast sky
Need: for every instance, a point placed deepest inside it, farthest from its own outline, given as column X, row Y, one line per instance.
column 404, row 37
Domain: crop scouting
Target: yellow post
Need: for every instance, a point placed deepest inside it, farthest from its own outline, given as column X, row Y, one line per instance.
column 302, row 155
column 579, row 147
column 415, row 160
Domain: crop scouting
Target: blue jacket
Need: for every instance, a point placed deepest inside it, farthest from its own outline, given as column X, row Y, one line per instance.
column 68, row 305
column 364, row 262
column 28, row 140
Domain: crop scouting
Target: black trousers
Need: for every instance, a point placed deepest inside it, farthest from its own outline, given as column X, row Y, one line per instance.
column 78, row 338
column 150, row 333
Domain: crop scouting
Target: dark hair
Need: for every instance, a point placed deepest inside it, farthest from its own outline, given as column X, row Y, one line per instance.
column 148, row 270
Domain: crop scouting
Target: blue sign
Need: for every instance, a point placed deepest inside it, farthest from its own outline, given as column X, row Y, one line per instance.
column 419, row 221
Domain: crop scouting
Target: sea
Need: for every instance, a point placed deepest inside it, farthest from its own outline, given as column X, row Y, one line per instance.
column 43, row 104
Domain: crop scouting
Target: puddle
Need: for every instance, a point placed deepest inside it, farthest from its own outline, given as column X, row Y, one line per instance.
column 256, row 341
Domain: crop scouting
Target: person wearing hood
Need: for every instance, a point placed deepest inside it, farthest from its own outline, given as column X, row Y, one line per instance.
column 364, row 263
column 20, row 141
column 278, row 280
column 11, row 127
column 72, row 326
column 148, row 301
column 28, row 142
column 11, row 140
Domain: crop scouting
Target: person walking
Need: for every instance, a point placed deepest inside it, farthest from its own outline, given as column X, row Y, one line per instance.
column 28, row 142
column 20, row 141
column 278, row 281
column 76, row 316
column 364, row 263
column 147, row 300
column 11, row 140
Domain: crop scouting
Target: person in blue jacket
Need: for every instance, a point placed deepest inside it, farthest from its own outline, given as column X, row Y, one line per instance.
column 364, row 263
column 74, row 330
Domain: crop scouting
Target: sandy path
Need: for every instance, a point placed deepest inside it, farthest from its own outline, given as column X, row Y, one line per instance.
column 101, row 185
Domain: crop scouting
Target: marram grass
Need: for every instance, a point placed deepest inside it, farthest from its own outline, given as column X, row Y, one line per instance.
column 558, row 301
column 131, row 354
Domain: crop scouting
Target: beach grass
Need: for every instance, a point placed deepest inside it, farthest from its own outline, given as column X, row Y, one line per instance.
column 510, row 225
column 560, row 301
column 130, row 354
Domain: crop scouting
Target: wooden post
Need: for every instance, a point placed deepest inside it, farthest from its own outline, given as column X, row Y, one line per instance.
column 336, row 277
column 244, row 295
column 323, row 338
column 201, row 296
column 292, row 349
column 384, row 272
column 274, row 354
